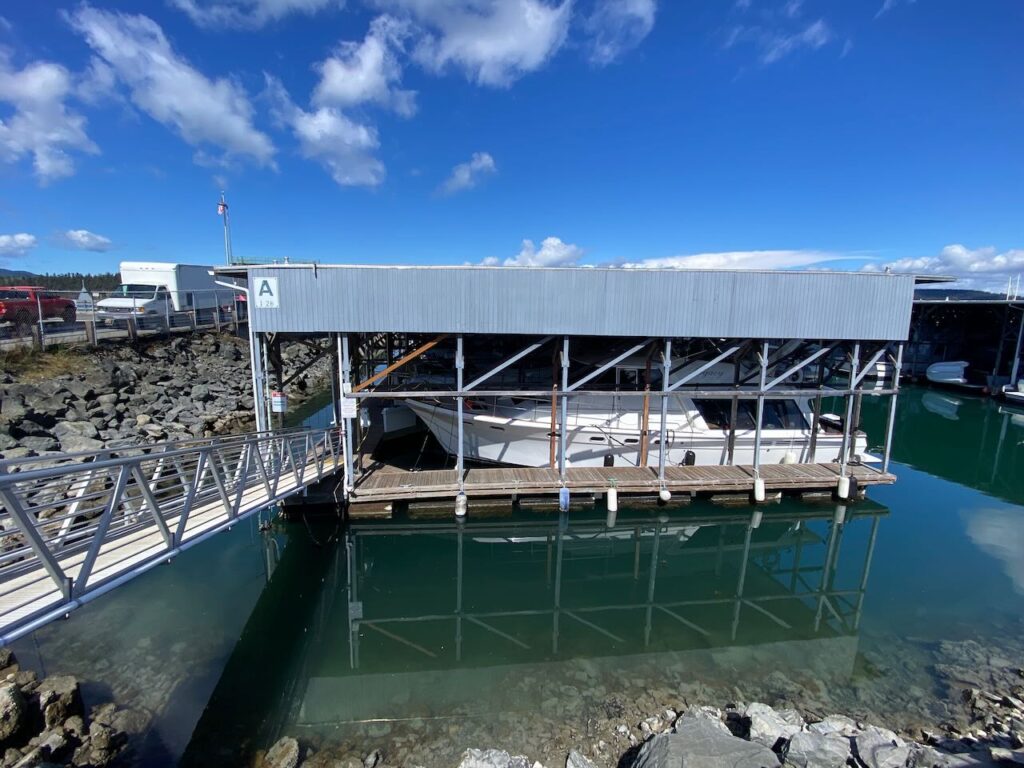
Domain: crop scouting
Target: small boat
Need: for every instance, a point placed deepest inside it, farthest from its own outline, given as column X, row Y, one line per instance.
column 952, row 374
column 1014, row 394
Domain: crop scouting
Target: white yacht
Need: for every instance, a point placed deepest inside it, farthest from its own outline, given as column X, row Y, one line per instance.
column 605, row 430
column 952, row 374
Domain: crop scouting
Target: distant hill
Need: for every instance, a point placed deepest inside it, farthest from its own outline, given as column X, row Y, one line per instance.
column 14, row 273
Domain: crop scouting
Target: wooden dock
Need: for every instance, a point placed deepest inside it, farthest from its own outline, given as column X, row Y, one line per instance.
column 386, row 483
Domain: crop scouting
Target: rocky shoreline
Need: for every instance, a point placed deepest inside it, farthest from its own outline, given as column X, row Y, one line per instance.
column 126, row 394
column 751, row 735
column 45, row 722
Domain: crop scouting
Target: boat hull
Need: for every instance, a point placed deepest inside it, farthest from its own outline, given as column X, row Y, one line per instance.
column 529, row 444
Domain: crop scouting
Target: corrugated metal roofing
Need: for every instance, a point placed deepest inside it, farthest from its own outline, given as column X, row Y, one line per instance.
column 586, row 302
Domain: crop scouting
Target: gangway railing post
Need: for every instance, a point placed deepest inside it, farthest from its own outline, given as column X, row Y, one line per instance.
column 35, row 541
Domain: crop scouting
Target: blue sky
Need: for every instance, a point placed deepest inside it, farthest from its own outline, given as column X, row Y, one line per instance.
column 769, row 133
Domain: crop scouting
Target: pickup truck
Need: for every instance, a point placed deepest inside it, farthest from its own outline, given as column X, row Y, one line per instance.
column 21, row 304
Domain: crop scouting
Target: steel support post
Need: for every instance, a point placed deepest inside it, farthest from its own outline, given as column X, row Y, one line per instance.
column 459, row 366
column 760, row 407
column 564, row 414
column 845, row 444
column 346, row 423
column 651, row 582
column 258, row 391
column 1015, row 369
column 666, row 369
column 890, row 423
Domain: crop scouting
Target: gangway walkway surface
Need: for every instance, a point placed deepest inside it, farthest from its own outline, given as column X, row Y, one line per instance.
column 74, row 526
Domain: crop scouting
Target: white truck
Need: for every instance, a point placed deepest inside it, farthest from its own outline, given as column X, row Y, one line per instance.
column 159, row 290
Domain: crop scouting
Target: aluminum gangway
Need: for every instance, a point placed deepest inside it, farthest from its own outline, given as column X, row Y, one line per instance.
column 75, row 526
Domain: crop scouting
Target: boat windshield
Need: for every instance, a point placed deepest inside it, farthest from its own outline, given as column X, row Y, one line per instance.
column 134, row 290
column 778, row 414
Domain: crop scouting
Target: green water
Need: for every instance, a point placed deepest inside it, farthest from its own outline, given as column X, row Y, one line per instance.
column 423, row 637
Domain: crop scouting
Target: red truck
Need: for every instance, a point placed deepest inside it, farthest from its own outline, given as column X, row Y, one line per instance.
column 20, row 305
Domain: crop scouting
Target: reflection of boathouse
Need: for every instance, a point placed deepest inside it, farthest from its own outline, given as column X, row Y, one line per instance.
column 407, row 619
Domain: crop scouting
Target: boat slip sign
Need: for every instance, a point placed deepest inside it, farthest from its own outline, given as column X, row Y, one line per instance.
column 266, row 295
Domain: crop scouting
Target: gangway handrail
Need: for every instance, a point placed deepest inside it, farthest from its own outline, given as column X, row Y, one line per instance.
column 82, row 521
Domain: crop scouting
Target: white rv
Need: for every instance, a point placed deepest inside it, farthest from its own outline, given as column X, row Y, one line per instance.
column 161, row 289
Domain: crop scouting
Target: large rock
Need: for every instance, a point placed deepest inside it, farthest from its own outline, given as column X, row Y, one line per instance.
column 699, row 742
column 284, row 754
column 840, row 724
column 768, row 726
column 59, row 699
column 80, row 428
column 880, row 748
column 807, row 749
column 72, row 443
column 13, row 713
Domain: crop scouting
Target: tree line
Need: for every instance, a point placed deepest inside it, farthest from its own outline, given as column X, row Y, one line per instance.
column 66, row 281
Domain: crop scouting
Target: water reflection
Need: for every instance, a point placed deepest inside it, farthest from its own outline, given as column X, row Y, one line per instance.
column 431, row 620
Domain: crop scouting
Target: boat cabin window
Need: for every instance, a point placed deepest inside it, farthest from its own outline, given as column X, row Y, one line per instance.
column 778, row 414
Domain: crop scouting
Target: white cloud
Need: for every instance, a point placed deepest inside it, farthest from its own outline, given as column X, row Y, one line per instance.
column 84, row 240
column 41, row 126
column 982, row 268
column 781, row 34
column 552, row 253
column 998, row 532
column 780, row 259
column 368, row 71
column 17, row 245
column 467, row 175
column 617, row 26
column 343, row 146
column 248, row 14
column 494, row 42
column 164, row 85
column 888, row 5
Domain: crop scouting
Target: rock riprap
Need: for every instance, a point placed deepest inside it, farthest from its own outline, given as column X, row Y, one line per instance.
column 167, row 389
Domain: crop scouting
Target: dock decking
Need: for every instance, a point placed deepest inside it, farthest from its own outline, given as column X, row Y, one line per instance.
column 381, row 482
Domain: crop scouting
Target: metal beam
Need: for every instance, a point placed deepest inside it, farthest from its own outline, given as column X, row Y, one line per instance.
column 866, row 368
column 459, row 365
column 847, row 436
column 806, row 361
column 694, row 374
column 890, row 423
column 506, row 363
column 398, row 363
column 606, row 366
column 763, row 356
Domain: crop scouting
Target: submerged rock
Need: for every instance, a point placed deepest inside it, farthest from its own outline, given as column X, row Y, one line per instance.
column 492, row 758
column 577, row 760
column 699, row 742
column 284, row 754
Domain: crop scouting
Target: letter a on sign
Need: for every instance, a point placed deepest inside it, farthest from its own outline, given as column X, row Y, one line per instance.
column 267, row 296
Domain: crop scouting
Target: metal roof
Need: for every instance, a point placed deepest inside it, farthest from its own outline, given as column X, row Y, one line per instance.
column 582, row 301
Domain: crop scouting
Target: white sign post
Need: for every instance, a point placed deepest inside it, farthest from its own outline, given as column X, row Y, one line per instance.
column 265, row 293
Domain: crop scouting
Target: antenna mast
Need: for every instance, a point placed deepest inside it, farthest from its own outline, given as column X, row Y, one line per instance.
column 222, row 210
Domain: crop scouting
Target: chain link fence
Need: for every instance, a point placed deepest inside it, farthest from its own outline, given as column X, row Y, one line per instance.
column 42, row 317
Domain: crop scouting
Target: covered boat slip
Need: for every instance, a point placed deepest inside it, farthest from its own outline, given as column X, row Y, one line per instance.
column 744, row 349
